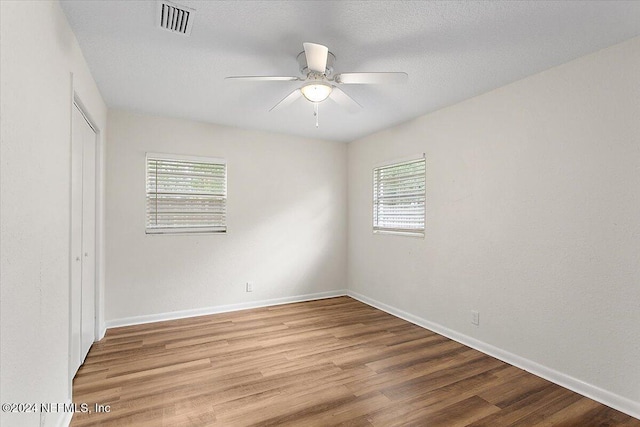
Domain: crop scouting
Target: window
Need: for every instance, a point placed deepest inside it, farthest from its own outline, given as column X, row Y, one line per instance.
column 186, row 194
column 399, row 198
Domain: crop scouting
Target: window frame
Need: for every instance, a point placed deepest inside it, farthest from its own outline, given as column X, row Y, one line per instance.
column 185, row 230
column 378, row 229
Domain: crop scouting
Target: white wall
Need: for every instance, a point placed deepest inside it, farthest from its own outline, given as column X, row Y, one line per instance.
column 286, row 215
column 38, row 54
column 533, row 219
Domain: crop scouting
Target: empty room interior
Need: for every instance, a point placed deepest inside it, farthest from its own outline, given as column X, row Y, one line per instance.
column 314, row 213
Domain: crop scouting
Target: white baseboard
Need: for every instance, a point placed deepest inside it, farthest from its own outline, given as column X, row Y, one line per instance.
column 58, row 418
column 138, row 320
column 65, row 419
column 598, row 394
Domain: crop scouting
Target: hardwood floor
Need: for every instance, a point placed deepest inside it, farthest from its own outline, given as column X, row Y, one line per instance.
column 330, row 362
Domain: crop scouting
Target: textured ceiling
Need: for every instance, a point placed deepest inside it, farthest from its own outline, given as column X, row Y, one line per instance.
column 451, row 50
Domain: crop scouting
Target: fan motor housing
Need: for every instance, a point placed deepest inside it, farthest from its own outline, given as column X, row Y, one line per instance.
column 304, row 69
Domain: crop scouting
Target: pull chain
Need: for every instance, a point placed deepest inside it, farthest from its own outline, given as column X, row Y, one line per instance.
column 315, row 113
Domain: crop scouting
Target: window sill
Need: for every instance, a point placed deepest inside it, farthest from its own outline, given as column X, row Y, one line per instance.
column 419, row 234
column 183, row 231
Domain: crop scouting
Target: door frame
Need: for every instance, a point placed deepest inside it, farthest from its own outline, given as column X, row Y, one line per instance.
column 77, row 102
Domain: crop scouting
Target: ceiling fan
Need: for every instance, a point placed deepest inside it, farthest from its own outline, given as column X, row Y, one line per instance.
column 319, row 83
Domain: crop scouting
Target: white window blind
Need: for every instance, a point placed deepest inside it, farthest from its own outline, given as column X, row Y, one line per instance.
column 186, row 194
column 399, row 193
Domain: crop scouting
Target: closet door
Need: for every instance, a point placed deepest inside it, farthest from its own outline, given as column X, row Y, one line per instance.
column 88, row 240
column 83, row 238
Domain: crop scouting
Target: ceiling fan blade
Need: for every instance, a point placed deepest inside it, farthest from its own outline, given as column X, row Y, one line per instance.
column 316, row 56
column 344, row 100
column 287, row 100
column 370, row 78
column 265, row 78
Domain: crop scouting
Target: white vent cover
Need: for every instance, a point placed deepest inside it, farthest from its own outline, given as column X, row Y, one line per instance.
column 175, row 18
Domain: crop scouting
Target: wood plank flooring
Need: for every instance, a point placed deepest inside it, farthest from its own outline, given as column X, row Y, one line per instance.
column 330, row 362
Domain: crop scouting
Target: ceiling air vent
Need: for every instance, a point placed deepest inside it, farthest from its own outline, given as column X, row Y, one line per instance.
column 175, row 18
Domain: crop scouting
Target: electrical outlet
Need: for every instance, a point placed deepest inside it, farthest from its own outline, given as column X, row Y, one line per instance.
column 249, row 287
column 475, row 318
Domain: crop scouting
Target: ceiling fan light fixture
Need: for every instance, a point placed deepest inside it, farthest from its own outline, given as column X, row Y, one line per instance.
column 319, row 83
column 316, row 92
